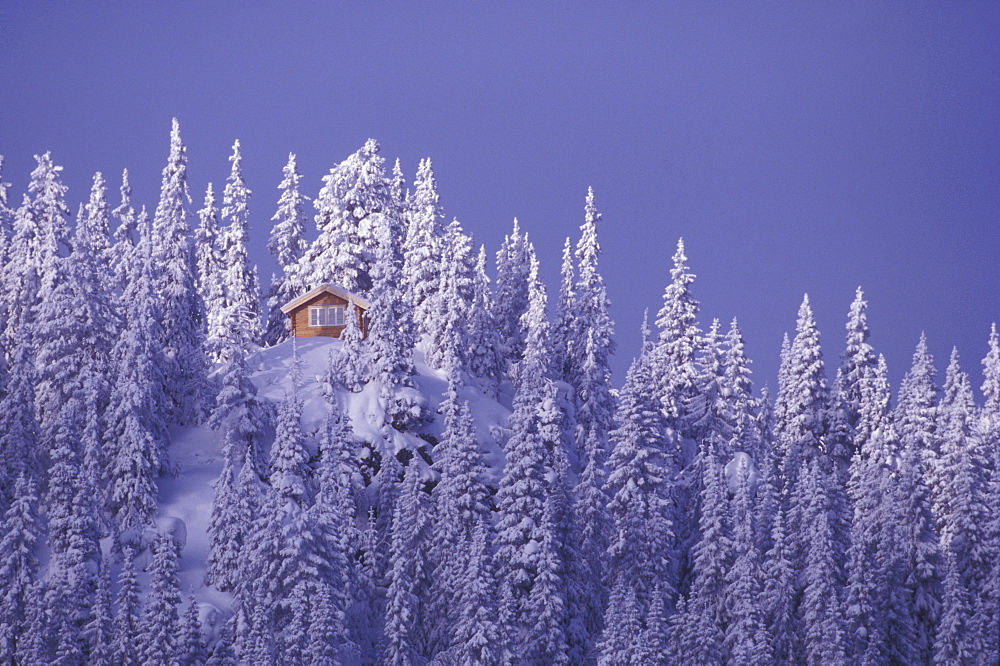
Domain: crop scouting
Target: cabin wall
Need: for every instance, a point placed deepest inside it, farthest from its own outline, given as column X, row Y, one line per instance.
column 300, row 319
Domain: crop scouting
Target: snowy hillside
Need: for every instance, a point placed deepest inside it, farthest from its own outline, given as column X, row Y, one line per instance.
column 185, row 502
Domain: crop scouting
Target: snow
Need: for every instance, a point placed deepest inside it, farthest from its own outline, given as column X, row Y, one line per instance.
column 185, row 501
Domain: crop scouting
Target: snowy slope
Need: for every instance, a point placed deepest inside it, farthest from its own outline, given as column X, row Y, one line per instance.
column 185, row 501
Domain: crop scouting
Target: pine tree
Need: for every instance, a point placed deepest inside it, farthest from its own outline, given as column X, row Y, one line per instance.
column 135, row 431
column 173, row 281
column 123, row 251
column 564, row 329
column 514, row 260
column 476, row 636
column 352, row 193
column 858, row 363
column 40, row 237
column 19, row 565
column 238, row 410
column 161, row 627
column 96, row 232
column 640, row 490
column 391, row 333
column 747, row 640
column 192, row 652
column 402, row 640
column 422, row 252
column 960, row 497
column 485, row 361
column 288, row 245
column 446, row 333
column 20, row 445
column 240, row 311
column 99, row 631
column 126, row 647
column 823, row 637
column 210, row 265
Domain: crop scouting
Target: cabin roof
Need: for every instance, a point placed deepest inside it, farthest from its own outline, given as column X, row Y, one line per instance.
column 287, row 308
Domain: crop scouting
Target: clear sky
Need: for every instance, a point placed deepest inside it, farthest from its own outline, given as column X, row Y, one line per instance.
column 797, row 147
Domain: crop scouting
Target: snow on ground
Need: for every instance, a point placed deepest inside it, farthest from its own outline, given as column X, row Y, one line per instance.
column 185, row 502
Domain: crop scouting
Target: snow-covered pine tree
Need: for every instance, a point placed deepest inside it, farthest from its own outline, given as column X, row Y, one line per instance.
column 192, row 645
column 476, row 637
column 919, row 563
column 450, row 305
column 126, row 647
column 962, row 477
column 510, row 302
column 135, row 424
column 915, row 415
column 352, row 192
column 209, row 264
column 99, row 631
column 40, row 237
column 622, row 641
column 779, row 594
column 804, row 397
column 823, row 634
column 333, row 513
column 20, row 444
column 402, row 638
column 461, row 511
column 738, row 396
column 96, row 232
column 957, row 641
column 857, row 364
column 640, row 484
column 391, row 331
column 545, row 615
column 422, row 252
column 747, row 641
column 564, row 331
column 287, row 244
column 126, row 238
column 240, row 311
column 161, row 626
column 173, row 281
column 483, row 353
column 19, row 565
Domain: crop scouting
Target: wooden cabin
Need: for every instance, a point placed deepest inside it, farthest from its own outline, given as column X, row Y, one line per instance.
column 322, row 312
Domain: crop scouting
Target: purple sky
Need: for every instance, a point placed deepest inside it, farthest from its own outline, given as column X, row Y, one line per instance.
column 797, row 147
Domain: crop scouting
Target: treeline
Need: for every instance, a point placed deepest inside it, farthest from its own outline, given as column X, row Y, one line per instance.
column 677, row 519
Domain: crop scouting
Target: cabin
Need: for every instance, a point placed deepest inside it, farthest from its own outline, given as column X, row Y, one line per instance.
column 323, row 311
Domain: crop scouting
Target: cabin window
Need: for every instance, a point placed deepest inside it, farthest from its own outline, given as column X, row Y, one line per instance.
column 326, row 315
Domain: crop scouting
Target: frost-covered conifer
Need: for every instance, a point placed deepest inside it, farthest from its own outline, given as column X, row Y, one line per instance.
column 238, row 409
column 125, row 647
column 823, row 632
column 287, row 244
column 748, row 640
column 545, row 610
column 173, row 281
column 778, row 598
column 136, row 431
column 510, row 302
column 422, row 252
column 564, row 328
column 960, row 495
column 210, row 264
column 352, row 192
column 956, row 641
column 449, row 306
column 96, row 233
column 125, row 237
column 99, row 631
column 240, row 311
column 161, row 626
column 403, row 610
column 19, row 437
column 19, row 565
column 804, row 397
column 192, row 645
column 391, row 333
column 640, row 480
column 483, row 353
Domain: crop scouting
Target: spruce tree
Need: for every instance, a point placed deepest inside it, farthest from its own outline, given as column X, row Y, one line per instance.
column 288, row 245
column 19, row 565
column 126, row 647
column 240, row 311
column 210, row 264
column 174, row 283
column 422, row 251
column 161, row 627
column 513, row 263
column 484, row 358
column 352, row 193
column 123, row 251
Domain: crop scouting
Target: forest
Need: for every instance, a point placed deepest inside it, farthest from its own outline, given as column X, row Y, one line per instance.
column 464, row 484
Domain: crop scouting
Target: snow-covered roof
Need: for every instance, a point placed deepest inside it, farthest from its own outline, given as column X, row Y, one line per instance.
column 327, row 289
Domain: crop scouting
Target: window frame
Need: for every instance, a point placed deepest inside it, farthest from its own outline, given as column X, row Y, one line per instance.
column 326, row 316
